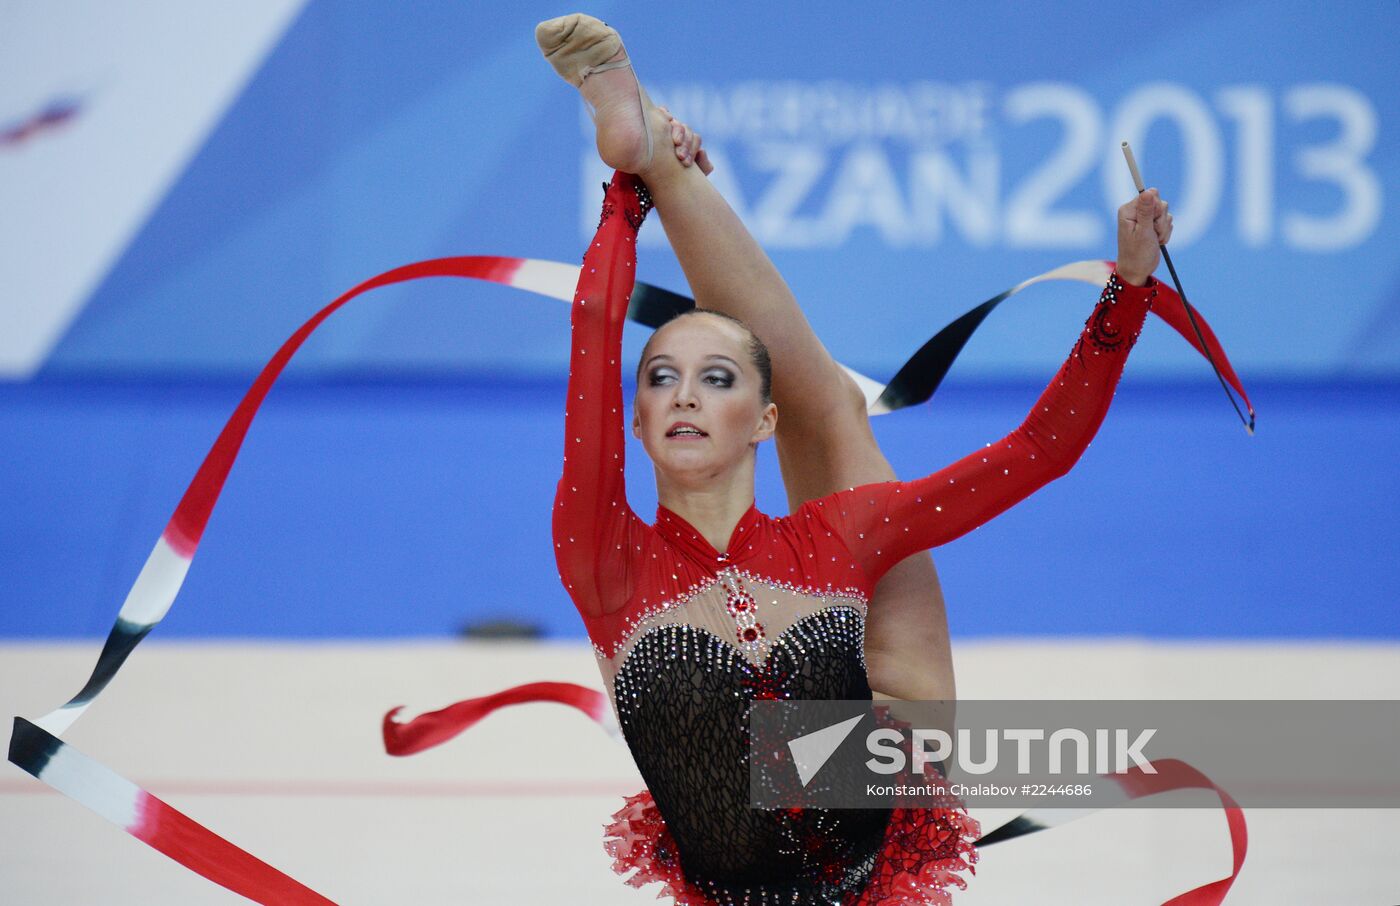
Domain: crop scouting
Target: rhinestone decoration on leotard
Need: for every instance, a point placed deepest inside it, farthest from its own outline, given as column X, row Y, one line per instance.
column 645, row 205
column 1103, row 334
column 639, row 619
column 744, row 610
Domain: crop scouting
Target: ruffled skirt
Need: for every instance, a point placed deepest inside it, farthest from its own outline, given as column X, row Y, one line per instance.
column 921, row 860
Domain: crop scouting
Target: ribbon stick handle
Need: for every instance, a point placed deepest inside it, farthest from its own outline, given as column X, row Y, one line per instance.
column 1132, row 168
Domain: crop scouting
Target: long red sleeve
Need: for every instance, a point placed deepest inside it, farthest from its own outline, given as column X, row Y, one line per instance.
column 884, row 523
column 593, row 525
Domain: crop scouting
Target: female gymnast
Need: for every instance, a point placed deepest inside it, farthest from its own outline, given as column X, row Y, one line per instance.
column 717, row 605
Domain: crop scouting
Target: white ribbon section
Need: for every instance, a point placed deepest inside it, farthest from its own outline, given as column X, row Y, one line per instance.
column 156, row 586
column 58, row 721
column 94, row 785
column 548, row 278
column 1092, row 271
column 871, row 388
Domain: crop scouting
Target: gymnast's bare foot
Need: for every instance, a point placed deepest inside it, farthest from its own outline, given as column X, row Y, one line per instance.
column 589, row 55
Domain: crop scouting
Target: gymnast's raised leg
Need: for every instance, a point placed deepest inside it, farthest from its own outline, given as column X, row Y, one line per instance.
column 824, row 440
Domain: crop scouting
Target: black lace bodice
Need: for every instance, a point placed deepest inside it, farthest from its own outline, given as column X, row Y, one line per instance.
column 683, row 697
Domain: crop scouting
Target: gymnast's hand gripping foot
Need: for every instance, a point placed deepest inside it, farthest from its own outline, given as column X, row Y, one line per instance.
column 716, row 605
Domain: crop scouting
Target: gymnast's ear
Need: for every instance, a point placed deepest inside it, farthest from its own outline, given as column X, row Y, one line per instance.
column 767, row 424
column 636, row 424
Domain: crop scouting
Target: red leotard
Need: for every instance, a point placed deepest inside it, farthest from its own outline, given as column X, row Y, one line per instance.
column 687, row 636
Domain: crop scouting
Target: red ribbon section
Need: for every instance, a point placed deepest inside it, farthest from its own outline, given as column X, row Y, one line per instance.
column 1173, row 774
column 1170, row 307
column 437, row 727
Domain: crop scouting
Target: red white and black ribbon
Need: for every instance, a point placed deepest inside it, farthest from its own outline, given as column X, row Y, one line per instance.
column 151, row 820
column 35, row 746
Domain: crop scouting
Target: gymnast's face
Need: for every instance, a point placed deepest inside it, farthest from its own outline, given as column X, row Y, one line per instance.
column 699, row 410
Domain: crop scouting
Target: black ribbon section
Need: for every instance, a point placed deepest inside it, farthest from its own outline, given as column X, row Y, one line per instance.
column 121, row 641
column 1016, row 827
column 919, row 378
column 31, row 748
column 652, row 306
